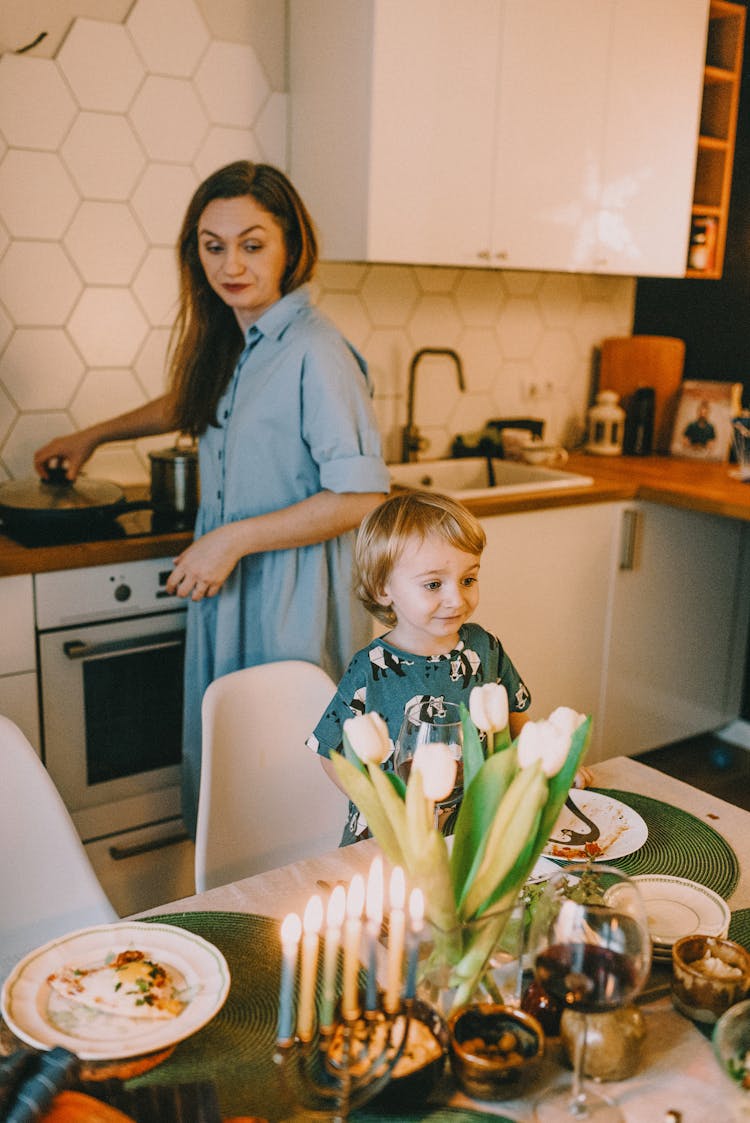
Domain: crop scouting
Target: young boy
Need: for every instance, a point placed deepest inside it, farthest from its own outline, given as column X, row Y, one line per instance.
column 417, row 557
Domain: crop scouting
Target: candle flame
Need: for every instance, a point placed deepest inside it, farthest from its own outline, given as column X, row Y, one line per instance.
column 397, row 890
column 416, row 909
column 356, row 897
column 375, row 891
column 313, row 917
column 291, row 929
column 336, row 907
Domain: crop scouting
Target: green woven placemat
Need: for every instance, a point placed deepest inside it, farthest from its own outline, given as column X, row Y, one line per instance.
column 739, row 927
column 236, row 1048
column 678, row 844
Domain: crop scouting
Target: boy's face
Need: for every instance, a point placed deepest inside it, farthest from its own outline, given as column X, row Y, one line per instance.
column 433, row 589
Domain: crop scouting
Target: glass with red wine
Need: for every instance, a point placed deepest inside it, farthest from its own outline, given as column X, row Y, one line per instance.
column 591, row 947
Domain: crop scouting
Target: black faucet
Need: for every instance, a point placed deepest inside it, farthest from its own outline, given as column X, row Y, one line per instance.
column 412, row 440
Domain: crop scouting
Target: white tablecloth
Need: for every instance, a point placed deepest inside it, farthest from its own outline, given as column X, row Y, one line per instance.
column 678, row 1073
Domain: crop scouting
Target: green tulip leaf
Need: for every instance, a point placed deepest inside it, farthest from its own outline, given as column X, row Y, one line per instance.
column 560, row 785
column 392, row 804
column 481, row 801
column 507, row 836
column 472, row 752
column 397, row 783
column 359, row 787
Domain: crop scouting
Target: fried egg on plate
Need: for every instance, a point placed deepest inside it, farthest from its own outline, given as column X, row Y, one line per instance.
column 129, row 984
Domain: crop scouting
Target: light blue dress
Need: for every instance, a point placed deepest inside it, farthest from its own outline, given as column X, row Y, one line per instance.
column 295, row 419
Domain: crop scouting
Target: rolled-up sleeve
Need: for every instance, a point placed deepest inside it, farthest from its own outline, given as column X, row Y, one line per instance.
column 338, row 420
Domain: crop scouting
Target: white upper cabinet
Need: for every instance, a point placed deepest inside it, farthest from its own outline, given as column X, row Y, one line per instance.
column 539, row 134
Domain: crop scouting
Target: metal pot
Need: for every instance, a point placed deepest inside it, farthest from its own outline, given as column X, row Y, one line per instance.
column 55, row 505
column 175, row 489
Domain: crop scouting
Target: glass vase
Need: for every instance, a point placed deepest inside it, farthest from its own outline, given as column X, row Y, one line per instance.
column 477, row 961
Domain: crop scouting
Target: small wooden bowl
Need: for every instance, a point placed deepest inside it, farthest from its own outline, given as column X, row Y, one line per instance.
column 495, row 1051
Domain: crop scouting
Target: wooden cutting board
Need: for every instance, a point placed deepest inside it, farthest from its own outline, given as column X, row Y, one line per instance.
column 627, row 362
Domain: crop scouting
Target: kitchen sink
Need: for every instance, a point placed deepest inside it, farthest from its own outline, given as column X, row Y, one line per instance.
column 474, row 476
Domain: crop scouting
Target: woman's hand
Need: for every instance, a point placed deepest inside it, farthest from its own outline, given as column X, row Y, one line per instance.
column 69, row 452
column 201, row 569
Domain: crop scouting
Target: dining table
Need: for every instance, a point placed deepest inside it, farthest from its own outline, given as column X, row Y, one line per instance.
column 692, row 834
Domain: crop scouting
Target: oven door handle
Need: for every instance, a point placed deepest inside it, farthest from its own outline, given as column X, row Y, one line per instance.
column 77, row 649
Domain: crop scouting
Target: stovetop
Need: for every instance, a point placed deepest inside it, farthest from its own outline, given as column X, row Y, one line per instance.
column 131, row 524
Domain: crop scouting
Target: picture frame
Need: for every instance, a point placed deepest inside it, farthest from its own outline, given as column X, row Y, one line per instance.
column 702, row 427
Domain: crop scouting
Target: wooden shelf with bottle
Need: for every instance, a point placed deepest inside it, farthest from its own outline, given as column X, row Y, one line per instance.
column 716, row 142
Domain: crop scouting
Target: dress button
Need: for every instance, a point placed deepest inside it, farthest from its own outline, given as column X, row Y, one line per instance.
column 218, row 495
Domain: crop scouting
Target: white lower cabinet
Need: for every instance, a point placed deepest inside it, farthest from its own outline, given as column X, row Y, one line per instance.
column 545, row 583
column 634, row 612
column 146, row 867
column 678, row 632
column 18, row 685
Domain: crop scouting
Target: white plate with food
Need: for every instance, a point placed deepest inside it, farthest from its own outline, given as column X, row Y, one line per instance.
column 622, row 831
column 116, row 990
column 677, row 907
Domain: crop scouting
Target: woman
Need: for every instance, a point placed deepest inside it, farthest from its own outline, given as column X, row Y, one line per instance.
column 290, row 455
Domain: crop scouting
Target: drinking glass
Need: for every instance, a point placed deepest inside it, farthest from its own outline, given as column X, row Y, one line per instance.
column 592, row 951
column 432, row 722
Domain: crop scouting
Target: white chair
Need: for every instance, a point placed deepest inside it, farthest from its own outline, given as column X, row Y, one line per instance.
column 47, row 883
column 264, row 798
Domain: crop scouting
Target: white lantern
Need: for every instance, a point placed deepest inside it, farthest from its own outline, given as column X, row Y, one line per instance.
column 606, row 425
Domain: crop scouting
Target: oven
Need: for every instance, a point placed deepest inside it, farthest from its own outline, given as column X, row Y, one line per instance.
column 111, row 645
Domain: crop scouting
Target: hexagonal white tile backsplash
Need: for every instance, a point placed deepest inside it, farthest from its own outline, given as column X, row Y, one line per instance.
column 100, row 150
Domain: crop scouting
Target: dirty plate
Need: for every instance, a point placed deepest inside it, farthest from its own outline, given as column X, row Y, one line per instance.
column 621, row 829
column 44, row 1018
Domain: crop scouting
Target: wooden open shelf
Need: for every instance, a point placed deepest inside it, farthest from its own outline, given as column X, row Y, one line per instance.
column 716, row 142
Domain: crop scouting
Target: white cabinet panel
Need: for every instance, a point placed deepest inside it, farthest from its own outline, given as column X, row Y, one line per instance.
column 678, row 630
column 19, row 702
column 17, row 651
column 544, row 591
column 142, row 869
column 539, row 134
column 653, row 106
column 551, row 124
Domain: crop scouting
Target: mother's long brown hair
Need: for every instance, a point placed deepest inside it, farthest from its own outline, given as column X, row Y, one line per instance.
column 206, row 339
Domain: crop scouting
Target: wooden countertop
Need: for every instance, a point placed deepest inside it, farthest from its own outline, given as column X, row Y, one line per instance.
column 691, row 484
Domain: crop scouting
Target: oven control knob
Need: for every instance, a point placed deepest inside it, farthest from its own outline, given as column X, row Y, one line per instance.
column 123, row 592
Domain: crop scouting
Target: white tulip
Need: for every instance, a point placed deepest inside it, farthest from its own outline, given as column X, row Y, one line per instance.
column 566, row 719
column 544, row 741
column 368, row 736
column 488, row 706
column 438, row 768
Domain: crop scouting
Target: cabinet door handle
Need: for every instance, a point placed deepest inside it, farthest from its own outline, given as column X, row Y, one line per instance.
column 120, row 853
column 628, row 539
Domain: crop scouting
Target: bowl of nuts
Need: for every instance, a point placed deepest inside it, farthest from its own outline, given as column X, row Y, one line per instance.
column 495, row 1051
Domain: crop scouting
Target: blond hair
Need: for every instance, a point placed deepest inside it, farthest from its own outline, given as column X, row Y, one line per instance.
column 386, row 531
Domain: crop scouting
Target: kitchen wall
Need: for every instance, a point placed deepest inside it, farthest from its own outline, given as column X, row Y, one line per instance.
column 106, row 127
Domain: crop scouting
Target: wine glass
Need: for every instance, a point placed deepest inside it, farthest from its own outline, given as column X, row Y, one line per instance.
column 432, row 722
column 592, row 951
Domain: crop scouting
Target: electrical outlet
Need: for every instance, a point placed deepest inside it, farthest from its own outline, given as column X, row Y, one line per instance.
column 537, row 389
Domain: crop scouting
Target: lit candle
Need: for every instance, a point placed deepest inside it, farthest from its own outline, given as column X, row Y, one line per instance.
column 291, row 930
column 311, row 924
column 352, row 931
column 374, row 910
column 334, row 920
column 396, row 928
column 416, row 915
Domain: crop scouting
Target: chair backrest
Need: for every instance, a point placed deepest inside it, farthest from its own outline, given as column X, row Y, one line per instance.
column 47, row 883
column 264, row 797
